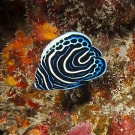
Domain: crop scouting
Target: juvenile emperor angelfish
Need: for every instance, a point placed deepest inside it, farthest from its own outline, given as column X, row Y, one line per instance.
column 69, row 61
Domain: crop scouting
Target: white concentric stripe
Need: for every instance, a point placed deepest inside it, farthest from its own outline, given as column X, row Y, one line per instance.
column 57, row 63
column 37, row 82
column 80, row 76
column 65, row 61
column 46, row 72
column 44, row 78
column 83, row 56
column 37, row 78
column 72, row 77
column 68, row 76
column 50, row 57
column 40, row 87
column 50, row 66
column 70, row 72
column 77, row 61
column 62, row 37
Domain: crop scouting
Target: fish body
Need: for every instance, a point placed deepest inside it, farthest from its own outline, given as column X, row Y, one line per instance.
column 69, row 61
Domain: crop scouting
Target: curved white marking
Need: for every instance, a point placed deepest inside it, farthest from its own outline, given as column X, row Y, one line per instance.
column 60, row 38
column 50, row 57
column 80, row 71
column 83, row 56
column 65, row 61
column 43, row 79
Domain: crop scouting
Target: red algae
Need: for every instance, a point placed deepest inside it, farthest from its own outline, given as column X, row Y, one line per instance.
column 18, row 100
column 22, row 101
column 32, row 104
column 124, row 126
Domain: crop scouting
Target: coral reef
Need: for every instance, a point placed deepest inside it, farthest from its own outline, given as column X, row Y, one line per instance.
column 103, row 106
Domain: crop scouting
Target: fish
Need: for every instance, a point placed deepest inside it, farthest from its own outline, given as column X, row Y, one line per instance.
column 68, row 62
